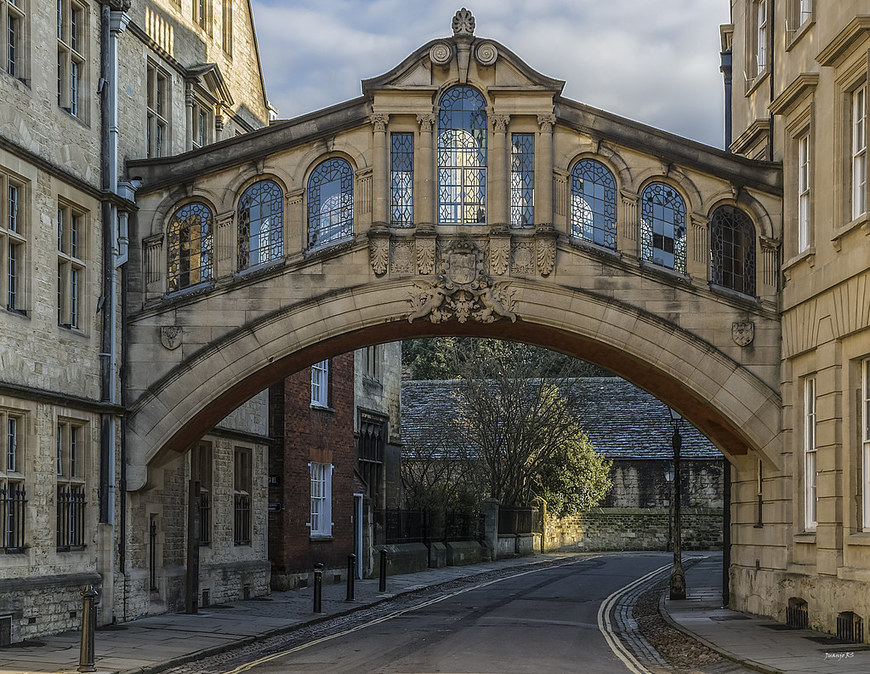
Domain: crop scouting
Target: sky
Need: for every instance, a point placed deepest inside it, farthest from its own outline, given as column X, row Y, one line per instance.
column 654, row 62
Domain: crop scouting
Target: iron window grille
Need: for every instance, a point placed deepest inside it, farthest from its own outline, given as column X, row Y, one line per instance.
column 402, row 179
column 663, row 227
column 330, row 202
column 523, row 179
column 242, row 496
column 732, row 239
column 261, row 224
column 70, row 516
column 593, row 203
column 461, row 148
column 13, row 495
column 190, row 246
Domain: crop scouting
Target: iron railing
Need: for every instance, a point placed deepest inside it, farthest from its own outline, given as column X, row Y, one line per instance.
column 797, row 613
column 850, row 627
column 12, row 500
column 242, row 520
column 70, row 516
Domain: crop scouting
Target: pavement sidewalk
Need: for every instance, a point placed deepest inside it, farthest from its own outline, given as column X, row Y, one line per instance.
column 756, row 642
column 157, row 643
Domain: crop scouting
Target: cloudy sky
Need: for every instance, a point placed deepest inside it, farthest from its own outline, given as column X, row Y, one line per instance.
column 656, row 62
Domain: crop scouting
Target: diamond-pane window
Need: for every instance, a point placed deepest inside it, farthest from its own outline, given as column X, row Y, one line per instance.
column 732, row 239
column 523, row 179
column 330, row 202
column 663, row 227
column 402, row 179
column 593, row 203
column 462, row 157
column 261, row 224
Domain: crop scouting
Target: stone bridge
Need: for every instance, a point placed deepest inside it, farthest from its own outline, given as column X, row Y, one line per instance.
column 461, row 194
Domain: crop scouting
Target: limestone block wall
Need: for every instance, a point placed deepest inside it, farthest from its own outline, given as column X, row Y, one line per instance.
column 642, row 484
column 633, row 529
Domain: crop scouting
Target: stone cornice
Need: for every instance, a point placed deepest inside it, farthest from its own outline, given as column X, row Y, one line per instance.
column 802, row 86
column 839, row 48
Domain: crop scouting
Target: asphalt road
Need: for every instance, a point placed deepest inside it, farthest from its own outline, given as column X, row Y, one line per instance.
column 536, row 621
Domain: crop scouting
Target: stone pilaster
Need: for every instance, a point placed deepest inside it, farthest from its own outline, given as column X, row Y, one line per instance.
column 498, row 187
column 628, row 224
column 697, row 246
column 424, row 165
column 295, row 232
column 544, row 171
column 380, row 169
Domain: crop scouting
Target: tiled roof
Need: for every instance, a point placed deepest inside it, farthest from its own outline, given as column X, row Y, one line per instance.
column 621, row 420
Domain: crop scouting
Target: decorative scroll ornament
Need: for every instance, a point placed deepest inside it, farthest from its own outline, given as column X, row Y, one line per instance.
column 499, row 255
column 462, row 290
column 379, row 251
column 743, row 333
column 425, row 254
column 486, row 54
column 500, row 122
column 426, row 122
column 441, row 53
column 546, row 122
column 379, row 122
column 170, row 337
column 403, row 257
column 463, row 23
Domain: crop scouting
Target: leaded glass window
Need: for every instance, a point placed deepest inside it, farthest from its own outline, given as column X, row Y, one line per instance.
column 733, row 250
column 462, row 157
column 330, row 202
column 190, row 246
column 593, row 203
column 663, row 227
column 261, row 224
column 402, row 179
column 523, row 179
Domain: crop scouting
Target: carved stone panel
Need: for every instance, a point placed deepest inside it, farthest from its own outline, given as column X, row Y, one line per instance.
column 545, row 243
column 404, row 258
column 523, row 258
column 425, row 243
column 499, row 254
column 379, row 251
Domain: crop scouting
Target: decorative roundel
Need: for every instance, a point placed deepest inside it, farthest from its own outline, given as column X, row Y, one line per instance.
column 486, row 54
column 440, row 54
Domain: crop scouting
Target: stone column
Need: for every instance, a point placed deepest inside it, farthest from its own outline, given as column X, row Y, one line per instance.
column 188, row 115
column 424, row 167
column 544, row 171
column 498, row 190
column 697, row 247
column 627, row 224
column 295, row 232
column 380, row 169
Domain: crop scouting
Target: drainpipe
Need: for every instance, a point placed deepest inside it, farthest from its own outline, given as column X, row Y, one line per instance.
column 772, row 94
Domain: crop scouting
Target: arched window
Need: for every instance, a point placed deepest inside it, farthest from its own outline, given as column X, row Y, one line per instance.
column 190, row 246
column 593, row 203
column 732, row 239
column 663, row 227
column 462, row 157
column 330, row 202
column 261, row 224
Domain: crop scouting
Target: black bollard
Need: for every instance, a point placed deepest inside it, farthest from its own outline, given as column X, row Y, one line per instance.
column 351, row 573
column 318, row 586
column 382, row 585
column 89, row 626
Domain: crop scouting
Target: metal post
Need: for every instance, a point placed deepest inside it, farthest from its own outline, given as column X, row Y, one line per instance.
column 191, row 585
column 89, row 627
column 678, row 578
column 318, row 586
column 351, row 572
column 382, row 585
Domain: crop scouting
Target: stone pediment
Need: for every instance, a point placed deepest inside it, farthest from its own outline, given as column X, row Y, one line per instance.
column 463, row 58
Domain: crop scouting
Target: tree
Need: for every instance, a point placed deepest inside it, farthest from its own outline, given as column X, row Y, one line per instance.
column 523, row 432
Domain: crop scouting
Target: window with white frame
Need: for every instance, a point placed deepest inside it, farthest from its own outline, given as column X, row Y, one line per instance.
column 761, row 34
column 70, row 484
column 14, row 21
column 71, row 56
column 158, row 112
column 321, row 499
column 70, row 265
column 804, row 181
column 320, row 384
column 859, row 151
column 13, row 495
column 810, row 468
column 12, row 243
column 865, row 443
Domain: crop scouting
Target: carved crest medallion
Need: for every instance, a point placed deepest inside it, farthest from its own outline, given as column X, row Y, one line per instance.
column 743, row 333
column 170, row 337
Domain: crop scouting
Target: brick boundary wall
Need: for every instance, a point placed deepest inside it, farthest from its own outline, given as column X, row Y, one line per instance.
column 633, row 529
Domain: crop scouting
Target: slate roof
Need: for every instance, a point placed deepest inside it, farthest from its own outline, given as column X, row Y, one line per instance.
column 622, row 421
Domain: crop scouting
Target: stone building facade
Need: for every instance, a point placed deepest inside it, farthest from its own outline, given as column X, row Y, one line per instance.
column 798, row 75
column 84, row 86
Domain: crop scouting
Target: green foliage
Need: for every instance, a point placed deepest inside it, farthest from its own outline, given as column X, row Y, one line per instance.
column 443, row 358
column 578, row 478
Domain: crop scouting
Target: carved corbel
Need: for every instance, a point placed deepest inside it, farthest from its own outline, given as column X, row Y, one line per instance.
column 499, row 251
column 379, row 250
column 425, row 244
column 545, row 244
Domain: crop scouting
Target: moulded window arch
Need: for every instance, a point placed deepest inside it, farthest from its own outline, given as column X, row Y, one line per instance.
column 261, row 224
column 330, row 202
column 663, row 227
column 732, row 250
column 189, row 246
column 462, row 127
column 593, row 203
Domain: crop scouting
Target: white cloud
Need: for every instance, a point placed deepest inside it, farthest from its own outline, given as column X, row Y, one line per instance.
column 656, row 62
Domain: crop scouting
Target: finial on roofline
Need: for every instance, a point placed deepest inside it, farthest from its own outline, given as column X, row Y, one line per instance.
column 463, row 23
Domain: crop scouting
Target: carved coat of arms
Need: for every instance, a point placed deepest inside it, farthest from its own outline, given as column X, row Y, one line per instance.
column 743, row 333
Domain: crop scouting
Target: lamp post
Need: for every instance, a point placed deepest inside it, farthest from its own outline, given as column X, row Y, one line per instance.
column 669, row 478
column 678, row 578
